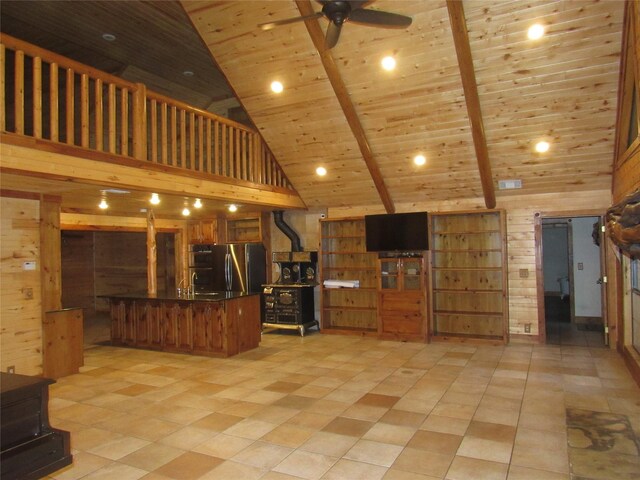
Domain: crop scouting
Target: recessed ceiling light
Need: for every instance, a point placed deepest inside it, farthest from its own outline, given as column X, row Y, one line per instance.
column 535, row 32
column 277, row 87
column 186, row 212
column 388, row 63
column 542, row 146
column 197, row 203
column 419, row 160
column 109, row 37
column 155, row 199
column 117, row 191
column 188, row 73
column 103, row 204
column 321, row 171
column 233, row 208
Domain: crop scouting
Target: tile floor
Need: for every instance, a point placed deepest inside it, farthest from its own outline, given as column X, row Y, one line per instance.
column 343, row 407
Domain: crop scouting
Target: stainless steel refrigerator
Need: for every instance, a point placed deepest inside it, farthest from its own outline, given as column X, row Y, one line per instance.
column 238, row 267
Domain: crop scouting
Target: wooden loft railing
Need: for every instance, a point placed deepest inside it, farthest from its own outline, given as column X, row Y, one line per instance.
column 50, row 97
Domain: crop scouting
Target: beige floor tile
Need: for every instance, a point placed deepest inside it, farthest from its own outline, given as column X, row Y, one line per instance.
column 542, row 421
column 116, row 470
column 118, row 447
column 151, row 457
column 288, row 435
column 423, row 462
column 307, row 465
column 314, row 421
column 367, row 413
column 485, row 449
column 396, row 474
column 262, row 455
column 222, row 446
column 493, row 415
column 402, row 417
column 436, row 423
column 83, row 464
column 454, row 410
column 330, row 444
column 189, row 466
column 352, row 470
column 383, row 454
column 524, row 473
column 540, row 439
column 250, row 428
column 188, row 437
column 550, row 460
column 463, row 468
column 386, row 433
column 229, row 470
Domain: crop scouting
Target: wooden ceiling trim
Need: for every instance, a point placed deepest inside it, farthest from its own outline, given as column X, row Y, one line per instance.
column 467, row 73
column 317, row 36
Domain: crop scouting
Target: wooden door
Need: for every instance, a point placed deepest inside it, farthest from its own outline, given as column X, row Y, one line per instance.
column 185, row 327
column 170, row 322
column 142, row 324
column 129, row 330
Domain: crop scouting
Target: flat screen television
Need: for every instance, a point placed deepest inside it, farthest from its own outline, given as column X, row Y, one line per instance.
column 397, row 232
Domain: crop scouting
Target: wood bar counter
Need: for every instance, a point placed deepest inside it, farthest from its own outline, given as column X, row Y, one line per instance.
column 221, row 324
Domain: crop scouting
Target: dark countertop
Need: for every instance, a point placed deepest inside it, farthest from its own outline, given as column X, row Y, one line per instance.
column 173, row 296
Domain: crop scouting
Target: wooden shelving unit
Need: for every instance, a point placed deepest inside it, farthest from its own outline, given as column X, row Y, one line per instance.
column 343, row 256
column 469, row 282
column 244, row 229
column 402, row 298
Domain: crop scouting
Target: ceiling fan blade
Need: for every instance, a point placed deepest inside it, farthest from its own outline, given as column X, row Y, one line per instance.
column 377, row 18
column 333, row 34
column 286, row 21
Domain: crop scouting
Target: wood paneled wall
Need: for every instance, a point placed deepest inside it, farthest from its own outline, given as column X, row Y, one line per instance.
column 77, row 272
column 521, row 245
column 20, row 290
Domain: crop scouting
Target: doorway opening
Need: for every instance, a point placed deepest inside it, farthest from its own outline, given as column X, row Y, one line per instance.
column 96, row 263
column 572, row 267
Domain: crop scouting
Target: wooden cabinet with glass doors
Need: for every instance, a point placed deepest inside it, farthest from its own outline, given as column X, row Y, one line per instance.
column 402, row 298
column 343, row 257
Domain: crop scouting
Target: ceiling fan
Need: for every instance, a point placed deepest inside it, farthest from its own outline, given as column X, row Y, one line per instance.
column 338, row 12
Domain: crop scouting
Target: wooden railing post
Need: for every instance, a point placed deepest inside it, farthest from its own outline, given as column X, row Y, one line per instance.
column 152, row 279
column 140, row 122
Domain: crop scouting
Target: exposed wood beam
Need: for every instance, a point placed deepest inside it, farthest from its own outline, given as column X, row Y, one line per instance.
column 470, row 87
column 317, row 36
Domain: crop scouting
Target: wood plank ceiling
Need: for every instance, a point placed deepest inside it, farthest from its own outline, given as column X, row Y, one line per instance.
column 561, row 88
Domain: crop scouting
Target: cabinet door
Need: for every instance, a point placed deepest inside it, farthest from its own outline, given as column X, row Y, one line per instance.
column 117, row 321
column 412, row 274
column 156, row 332
column 170, row 321
column 209, row 231
column 129, row 331
column 185, row 327
column 389, row 274
column 194, row 232
column 201, row 326
column 142, row 324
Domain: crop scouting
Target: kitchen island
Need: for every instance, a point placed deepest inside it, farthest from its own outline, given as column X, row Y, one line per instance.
column 219, row 324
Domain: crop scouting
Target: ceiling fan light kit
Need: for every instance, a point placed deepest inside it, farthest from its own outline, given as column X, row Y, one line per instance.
column 338, row 12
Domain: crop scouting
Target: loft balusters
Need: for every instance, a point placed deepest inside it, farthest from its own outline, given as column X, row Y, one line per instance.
column 49, row 97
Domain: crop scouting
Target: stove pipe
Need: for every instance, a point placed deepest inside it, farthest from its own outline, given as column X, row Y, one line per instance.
column 287, row 230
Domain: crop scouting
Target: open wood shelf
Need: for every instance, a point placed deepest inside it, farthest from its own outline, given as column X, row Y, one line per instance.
column 469, row 276
column 343, row 256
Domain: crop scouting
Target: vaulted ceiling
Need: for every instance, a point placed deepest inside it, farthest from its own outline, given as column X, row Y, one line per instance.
column 561, row 88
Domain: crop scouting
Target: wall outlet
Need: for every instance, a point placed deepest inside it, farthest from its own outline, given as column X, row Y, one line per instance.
column 524, row 273
column 580, row 266
column 527, row 328
column 11, row 369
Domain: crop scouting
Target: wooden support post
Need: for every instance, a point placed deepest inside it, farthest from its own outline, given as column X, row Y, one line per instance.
column 152, row 254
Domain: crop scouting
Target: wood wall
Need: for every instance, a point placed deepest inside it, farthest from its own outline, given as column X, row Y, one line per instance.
column 105, row 263
column 20, row 317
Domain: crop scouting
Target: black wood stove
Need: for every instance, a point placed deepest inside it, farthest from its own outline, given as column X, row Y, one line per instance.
column 289, row 302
